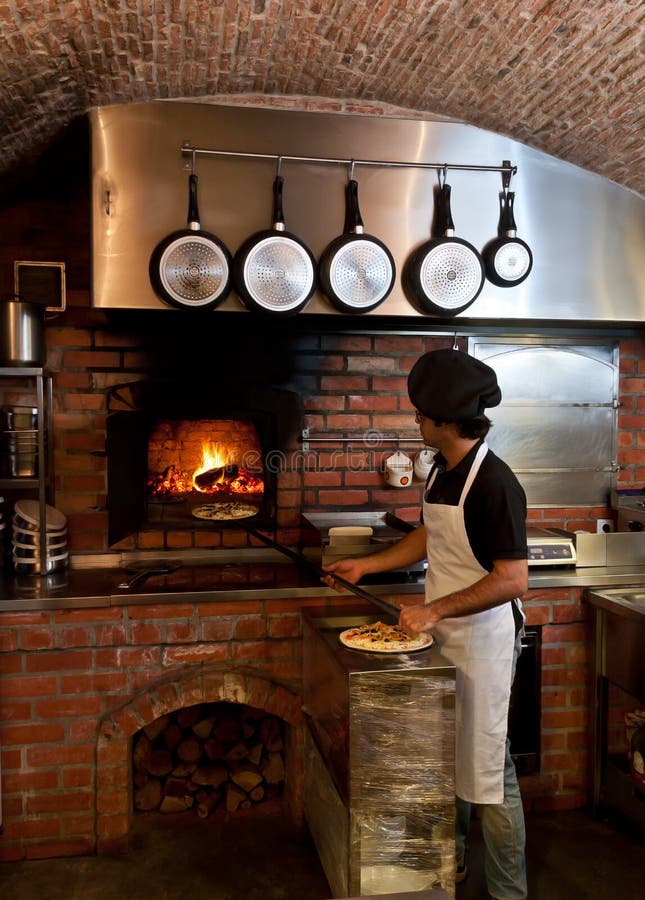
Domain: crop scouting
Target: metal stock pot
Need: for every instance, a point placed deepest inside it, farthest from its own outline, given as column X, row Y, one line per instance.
column 22, row 332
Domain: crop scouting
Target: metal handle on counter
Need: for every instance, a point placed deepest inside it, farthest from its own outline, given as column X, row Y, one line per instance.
column 302, row 560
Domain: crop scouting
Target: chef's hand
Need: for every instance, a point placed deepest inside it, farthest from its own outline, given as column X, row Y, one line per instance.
column 349, row 569
column 418, row 619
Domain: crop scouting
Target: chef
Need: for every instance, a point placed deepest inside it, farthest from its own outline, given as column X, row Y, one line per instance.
column 474, row 538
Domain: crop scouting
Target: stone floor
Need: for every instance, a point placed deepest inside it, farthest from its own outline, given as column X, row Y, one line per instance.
column 570, row 857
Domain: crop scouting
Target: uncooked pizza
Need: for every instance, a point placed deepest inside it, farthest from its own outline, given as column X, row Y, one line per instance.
column 381, row 638
column 233, row 509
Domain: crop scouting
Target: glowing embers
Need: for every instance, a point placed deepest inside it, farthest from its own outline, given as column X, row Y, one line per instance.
column 219, row 457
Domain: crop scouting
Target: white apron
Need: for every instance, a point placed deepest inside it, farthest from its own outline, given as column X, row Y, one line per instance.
column 479, row 645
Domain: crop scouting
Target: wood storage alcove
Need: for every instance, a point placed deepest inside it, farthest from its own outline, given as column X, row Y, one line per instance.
column 223, row 707
column 207, row 757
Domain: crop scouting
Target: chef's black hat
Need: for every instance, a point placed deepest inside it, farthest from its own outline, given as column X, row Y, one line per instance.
column 450, row 384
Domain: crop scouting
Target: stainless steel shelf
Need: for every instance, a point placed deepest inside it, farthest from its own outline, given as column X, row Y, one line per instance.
column 40, row 484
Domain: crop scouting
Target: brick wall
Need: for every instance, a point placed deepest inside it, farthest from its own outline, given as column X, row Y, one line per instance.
column 77, row 684
column 349, row 384
column 565, row 78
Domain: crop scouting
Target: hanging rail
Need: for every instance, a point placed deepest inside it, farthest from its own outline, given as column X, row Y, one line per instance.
column 506, row 169
column 369, row 441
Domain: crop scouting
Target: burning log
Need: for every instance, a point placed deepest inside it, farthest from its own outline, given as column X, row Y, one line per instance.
column 211, row 477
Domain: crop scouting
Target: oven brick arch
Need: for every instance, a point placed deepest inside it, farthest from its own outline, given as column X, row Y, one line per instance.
column 201, row 684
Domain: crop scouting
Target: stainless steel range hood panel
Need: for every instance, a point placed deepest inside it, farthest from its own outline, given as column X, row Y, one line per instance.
column 586, row 233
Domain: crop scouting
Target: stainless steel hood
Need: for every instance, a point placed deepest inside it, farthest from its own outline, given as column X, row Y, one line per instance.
column 587, row 234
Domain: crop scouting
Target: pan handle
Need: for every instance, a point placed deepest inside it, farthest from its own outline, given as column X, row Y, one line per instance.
column 278, row 213
column 448, row 224
column 507, row 219
column 353, row 220
column 193, row 206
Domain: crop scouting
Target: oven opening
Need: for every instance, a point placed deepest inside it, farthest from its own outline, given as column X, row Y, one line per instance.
column 199, row 459
column 184, row 457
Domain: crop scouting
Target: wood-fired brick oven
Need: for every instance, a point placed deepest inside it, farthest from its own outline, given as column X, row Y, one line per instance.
column 174, row 445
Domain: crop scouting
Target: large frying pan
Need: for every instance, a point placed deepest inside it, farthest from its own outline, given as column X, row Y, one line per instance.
column 356, row 270
column 508, row 259
column 445, row 274
column 191, row 268
column 273, row 271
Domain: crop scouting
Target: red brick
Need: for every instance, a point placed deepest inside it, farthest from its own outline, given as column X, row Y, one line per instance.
column 284, row 626
column 250, row 627
column 31, row 828
column 173, row 611
column 28, row 782
column 8, row 640
column 23, row 686
column 62, row 661
column 14, row 711
column 68, row 707
column 63, row 755
column 101, row 683
column 146, row 634
column 31, row 734
column 60, row 802
column 195, row 653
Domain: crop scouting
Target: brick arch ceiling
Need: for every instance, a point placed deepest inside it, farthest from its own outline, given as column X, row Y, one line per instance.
column 563, row 76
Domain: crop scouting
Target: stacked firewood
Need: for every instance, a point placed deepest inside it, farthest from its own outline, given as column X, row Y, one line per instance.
column 208, row 755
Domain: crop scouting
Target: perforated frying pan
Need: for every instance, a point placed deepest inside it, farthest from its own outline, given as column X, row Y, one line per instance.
column 191, row 268
column 508, row 259
column 445, row 274
column 273, row 270
column 356, row 270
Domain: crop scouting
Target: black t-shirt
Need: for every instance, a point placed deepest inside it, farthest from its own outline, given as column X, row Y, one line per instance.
column 494, row 509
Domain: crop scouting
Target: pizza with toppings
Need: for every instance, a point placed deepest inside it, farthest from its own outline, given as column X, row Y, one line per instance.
column 233, row 509
column 381, row 638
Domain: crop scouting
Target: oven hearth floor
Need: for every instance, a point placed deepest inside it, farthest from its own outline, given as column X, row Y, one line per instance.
column 570, row 857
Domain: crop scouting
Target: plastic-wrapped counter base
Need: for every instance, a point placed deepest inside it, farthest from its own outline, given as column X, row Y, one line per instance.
column 379, row 766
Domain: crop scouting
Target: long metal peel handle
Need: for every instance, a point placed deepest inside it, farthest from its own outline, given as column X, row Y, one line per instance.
column 383, row 605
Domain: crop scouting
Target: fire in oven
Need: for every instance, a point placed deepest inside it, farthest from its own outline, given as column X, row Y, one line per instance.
column 187, row 456
column 215, row 466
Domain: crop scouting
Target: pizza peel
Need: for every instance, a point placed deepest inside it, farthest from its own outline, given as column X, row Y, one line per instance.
column 302, row 560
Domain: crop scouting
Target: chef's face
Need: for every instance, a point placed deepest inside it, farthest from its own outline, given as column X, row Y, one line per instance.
column 430, row 431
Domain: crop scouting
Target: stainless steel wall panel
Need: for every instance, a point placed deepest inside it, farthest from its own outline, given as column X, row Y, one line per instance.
column 587, row 234
column 557, row 424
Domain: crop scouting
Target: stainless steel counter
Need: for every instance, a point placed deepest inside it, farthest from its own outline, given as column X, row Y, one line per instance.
column 235, row 575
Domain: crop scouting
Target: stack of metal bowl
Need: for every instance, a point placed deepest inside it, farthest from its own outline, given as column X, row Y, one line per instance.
column 21, row 441
column 27, row 528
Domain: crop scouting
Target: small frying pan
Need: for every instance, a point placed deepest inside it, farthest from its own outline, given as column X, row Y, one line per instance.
column 507, row 260
column 140, row 571
column 273, row 271
column 356, row 270
column 191, row 268
column 445, row 274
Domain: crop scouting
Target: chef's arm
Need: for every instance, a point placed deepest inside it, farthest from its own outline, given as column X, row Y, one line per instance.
column 508, row 579
column 410, row 549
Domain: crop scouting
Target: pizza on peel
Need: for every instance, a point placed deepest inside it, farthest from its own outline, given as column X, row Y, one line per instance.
column 381, row 638
column 233, row 509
